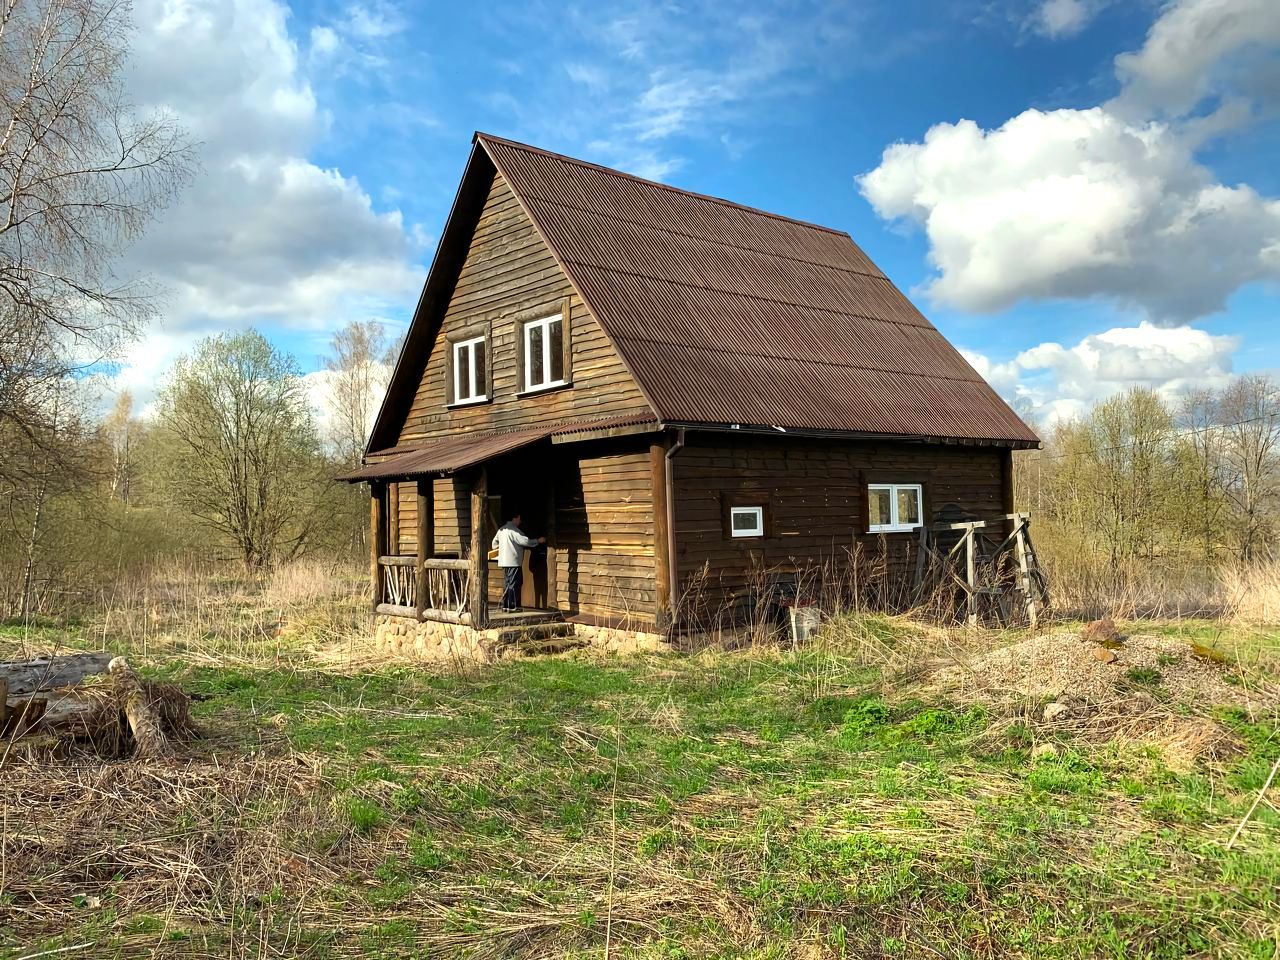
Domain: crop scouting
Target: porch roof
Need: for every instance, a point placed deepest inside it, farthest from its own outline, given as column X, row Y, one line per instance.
column 447, row 455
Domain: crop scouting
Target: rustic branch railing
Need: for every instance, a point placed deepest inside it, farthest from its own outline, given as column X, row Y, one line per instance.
column 446, row 586
column 399, row 581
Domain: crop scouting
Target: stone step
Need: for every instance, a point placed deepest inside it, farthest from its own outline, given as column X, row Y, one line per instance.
column 539, row 638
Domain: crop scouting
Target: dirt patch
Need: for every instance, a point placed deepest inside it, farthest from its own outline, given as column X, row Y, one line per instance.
column 1065, row 665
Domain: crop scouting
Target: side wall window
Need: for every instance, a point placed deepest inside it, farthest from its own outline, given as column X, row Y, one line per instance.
column 894, row 506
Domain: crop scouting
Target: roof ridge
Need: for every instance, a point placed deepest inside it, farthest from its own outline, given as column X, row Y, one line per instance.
column 481, row 135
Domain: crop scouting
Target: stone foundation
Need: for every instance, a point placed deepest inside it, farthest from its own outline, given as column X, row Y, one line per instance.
column 455, row 642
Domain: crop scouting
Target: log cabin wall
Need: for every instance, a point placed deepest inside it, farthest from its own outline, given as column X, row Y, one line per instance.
column 815, row 495
column 453, row 517
column 604, row 532
column 508, row 276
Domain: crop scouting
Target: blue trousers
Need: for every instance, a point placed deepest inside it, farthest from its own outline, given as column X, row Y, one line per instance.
column 512, row 579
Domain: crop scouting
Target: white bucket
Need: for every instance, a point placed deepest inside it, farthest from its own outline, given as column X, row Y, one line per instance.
column 805, row 622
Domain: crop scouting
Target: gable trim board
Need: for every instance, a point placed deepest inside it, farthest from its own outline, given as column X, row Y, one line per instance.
column 722, row 315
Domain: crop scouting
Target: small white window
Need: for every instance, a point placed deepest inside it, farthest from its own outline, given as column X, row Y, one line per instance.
column 469, row 371
column 544, row 353
column 894, row 506
column 746, row 521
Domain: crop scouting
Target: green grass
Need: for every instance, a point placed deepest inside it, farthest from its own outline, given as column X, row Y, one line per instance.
column 745, row 805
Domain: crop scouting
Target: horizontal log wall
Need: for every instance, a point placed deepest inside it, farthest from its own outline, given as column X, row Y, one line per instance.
column 604, row 532
column 453, row 517
column 815, row 495
column 510, row 274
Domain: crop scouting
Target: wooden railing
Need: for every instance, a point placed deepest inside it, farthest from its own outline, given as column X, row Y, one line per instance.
column 399, row 582
column 448, row 588
column 444, row 588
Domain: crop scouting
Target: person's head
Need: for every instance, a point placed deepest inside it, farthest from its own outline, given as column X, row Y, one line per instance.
column 515, row 518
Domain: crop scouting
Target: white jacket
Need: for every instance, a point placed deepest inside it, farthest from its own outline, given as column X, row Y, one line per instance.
column 511, row 544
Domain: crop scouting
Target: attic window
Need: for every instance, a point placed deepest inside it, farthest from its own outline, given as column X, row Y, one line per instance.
column 469, row 371
column 894, row 507
column 544, row 353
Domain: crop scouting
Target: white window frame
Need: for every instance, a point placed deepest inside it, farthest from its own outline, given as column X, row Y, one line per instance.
column 476, row 392
column 757, row 531
column 895, row 525
column 545, row 324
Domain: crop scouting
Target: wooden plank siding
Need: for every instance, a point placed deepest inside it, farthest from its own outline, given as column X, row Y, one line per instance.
column 815, row 497
column 604, row 532
column 453, row 517
column 510, row 275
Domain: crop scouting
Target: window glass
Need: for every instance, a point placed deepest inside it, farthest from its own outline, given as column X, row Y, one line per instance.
column 534, row 356
column 747, row 521
column 881, row 502
column 555, row 349
column 908, row 506
column 478, row 366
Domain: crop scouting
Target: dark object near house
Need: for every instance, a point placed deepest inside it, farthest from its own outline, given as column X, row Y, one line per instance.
column 689, row 398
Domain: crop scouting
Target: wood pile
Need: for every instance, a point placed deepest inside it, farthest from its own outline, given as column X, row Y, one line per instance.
column 51, row 703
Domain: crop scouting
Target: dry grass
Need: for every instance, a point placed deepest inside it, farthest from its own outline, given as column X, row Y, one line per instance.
column 828, row 801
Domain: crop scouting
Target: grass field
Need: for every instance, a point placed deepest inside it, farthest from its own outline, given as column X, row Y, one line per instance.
column 761, row 803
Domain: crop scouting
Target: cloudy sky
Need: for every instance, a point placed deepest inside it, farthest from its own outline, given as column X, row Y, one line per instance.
column 1082, row 194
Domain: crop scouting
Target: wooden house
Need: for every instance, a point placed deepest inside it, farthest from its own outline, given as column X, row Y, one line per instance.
column 670, row 387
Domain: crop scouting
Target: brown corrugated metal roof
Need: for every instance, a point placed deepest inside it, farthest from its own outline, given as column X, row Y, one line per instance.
column 730, row 315
column 450, row 454
column 446, row 455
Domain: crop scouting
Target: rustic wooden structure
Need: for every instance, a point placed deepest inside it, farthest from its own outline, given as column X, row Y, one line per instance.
column 673, row 390
column 978, row 575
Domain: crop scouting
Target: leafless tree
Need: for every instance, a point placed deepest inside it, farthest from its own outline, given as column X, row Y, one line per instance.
column 81, row 175
column 1250, row 412
column 358, row 370
column 244, row 458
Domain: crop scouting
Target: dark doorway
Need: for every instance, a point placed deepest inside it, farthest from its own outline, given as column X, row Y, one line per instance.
column 521, row 483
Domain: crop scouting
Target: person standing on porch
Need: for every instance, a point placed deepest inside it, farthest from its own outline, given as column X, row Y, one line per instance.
column 511, row 543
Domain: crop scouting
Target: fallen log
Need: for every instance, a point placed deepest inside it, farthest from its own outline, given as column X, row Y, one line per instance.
column 149, row 739
column 48, row 673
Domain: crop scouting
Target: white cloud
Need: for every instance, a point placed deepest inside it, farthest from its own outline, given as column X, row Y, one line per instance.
column 1062, row 18
column 1108, row 201
column 1058, row 381
column 263, row 235
column 1195, row 48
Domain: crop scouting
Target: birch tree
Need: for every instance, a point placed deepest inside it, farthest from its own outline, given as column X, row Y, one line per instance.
column 82, row 173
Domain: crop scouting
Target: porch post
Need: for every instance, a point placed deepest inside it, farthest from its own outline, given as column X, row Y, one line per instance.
column 426, row 537
column 479, row 551
column 377, row 493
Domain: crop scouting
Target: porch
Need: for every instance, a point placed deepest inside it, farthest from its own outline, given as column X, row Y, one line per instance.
column 426, row 586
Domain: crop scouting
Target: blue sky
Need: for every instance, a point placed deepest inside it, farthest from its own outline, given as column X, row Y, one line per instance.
column 1097, row 223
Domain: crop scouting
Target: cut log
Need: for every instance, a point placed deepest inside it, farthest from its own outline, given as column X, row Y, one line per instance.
column 47, row 673
column 22, row 716
column 139, row 709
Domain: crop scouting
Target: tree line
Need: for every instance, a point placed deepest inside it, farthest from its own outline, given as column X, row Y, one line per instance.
column 1193, row 479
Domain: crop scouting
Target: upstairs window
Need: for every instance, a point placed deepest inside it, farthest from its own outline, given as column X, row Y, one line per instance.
column 469, row 371
column 544, row 353
column 894, row 507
